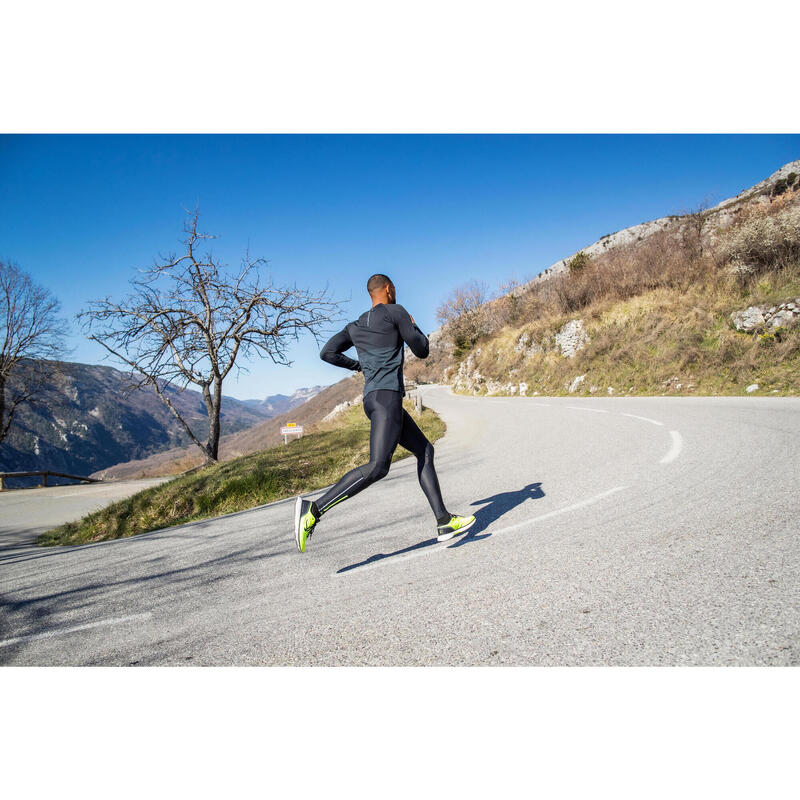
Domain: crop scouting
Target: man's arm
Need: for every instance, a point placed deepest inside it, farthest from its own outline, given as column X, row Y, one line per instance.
column 336, row 345
column 410, row 333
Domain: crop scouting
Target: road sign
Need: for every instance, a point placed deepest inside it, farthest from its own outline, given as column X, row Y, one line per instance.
column 289, row 429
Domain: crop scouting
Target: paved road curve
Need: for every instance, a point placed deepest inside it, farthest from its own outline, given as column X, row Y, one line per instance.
column 26, row 513
column 610, row 531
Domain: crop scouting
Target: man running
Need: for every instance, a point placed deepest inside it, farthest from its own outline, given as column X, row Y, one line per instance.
column 378, row 336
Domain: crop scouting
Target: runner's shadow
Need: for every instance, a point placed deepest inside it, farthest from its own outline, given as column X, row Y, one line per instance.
column 381, row 556
column 499, row 504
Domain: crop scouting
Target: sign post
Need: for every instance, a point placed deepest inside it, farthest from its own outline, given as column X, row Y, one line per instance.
column 289, row 429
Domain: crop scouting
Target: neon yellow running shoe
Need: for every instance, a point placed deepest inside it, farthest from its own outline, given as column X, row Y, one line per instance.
column 306, row 516
column 455, row 527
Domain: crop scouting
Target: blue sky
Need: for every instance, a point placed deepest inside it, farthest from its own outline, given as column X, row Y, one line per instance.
column 80, row 213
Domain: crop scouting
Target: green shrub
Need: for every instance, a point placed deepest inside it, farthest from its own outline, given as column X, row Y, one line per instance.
column 780, row 186
column 578, row 262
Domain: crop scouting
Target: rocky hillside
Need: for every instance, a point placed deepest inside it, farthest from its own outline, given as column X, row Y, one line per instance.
column 705, row 303
column 84, row 421
column 720, row 216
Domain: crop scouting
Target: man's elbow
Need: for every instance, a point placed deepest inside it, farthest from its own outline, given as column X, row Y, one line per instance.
column 421, row 352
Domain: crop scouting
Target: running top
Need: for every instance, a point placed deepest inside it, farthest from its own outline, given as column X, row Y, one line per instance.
column 378, row 336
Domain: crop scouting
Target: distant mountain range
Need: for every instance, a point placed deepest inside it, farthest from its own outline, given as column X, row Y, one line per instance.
column 84, row 421
column 281, row 403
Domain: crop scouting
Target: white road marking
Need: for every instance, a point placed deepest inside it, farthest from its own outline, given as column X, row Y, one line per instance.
column 427, row 551
column 580, row 504
column 584, row 408
column 62, row 631
column 646, row 419
column 675, row 450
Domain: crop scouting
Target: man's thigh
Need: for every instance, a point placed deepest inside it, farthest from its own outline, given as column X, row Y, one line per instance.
column 411, row 437
column 386, row 426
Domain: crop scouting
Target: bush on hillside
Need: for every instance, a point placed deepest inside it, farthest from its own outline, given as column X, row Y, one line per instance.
column 579, row 262
column 764, row 242
column 780, row 186
column 509, row 306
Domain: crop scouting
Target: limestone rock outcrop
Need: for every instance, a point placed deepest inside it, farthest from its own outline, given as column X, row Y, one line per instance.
column 770, row 318
column 571, row 338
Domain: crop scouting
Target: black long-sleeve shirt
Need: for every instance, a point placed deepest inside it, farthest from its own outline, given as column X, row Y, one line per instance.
column 378, row 336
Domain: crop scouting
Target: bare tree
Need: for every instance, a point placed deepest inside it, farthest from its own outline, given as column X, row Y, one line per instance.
column 187, row 321
column 695, row 220
column 31, row 331
column 507, row 305
column 464, row 315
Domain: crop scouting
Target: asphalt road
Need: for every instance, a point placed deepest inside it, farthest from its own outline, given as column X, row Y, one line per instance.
column 26, row 513
column 611, row 531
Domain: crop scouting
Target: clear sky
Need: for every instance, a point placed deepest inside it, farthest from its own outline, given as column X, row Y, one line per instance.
column 81, row 212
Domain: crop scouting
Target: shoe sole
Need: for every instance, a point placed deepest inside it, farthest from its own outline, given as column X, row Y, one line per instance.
column 445, row 537
column 298, row 504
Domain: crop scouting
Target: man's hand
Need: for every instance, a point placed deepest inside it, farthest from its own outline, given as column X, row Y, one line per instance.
column 412, row 320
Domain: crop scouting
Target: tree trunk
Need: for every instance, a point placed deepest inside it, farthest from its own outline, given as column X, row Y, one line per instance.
column 2, row 408
column 213, row 421
column 210, row 449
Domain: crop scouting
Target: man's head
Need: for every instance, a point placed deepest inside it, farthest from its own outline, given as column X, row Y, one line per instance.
column 381, row 289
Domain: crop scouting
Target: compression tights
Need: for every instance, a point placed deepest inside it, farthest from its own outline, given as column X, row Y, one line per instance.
column 391, row 425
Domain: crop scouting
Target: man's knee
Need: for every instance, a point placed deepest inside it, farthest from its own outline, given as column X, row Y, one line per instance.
column 377, row 470
column 427, row 454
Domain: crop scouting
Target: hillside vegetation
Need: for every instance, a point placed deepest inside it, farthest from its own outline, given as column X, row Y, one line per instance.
column 316, row 460
column 654, row 317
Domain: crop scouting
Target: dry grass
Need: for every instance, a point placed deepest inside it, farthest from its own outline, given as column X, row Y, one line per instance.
column 637, row 345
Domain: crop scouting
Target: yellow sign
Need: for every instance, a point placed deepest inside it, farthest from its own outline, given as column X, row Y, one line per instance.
column 291, row 424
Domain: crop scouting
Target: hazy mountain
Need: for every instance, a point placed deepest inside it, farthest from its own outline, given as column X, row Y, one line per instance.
column 83, row 421
column 281, row 403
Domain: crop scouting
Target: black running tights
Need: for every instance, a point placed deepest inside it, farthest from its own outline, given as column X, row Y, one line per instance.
column 391, row 425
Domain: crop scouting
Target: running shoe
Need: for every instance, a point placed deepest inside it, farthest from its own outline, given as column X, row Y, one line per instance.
column 306, row 516
column 455, row 527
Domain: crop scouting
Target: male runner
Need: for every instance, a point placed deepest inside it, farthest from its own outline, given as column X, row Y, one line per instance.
column 378, row 336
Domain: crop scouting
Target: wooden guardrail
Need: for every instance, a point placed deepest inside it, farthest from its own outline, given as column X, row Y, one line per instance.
column 45, row 474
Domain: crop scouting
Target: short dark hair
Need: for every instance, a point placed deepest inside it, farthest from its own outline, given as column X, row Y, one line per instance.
column 377, row 281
